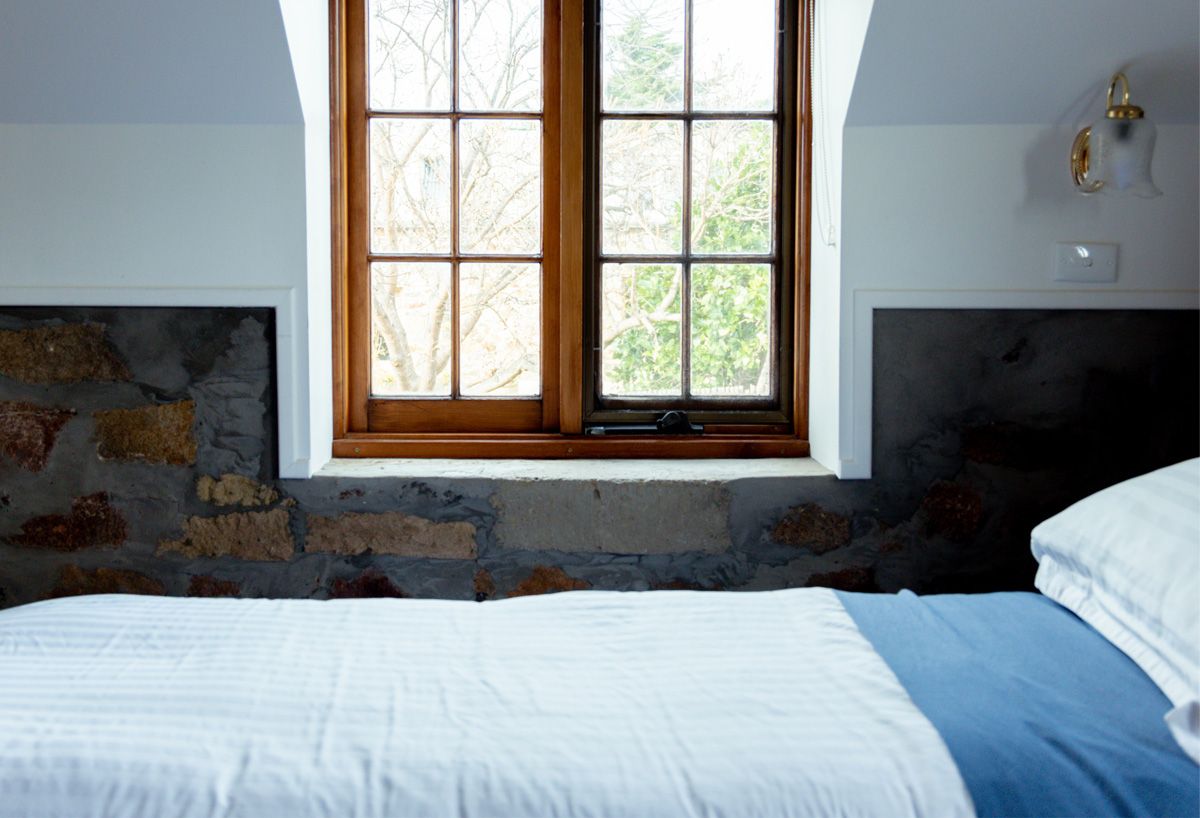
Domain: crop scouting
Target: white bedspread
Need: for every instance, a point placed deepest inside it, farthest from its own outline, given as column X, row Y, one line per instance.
column 580, row 704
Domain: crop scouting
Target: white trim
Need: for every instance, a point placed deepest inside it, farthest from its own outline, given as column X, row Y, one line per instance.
column 290, row 367
column 858, row 340
column 619, row 470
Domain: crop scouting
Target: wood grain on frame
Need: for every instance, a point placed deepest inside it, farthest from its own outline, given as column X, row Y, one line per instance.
column 566, row 446
column 803, row 250
column 552, row 264
column 357, row 317
column 571, row 214
column 508, row 427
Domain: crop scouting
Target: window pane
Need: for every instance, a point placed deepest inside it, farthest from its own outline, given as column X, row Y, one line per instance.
column 501, row 329
column 641, row 172
column 640, row 329
column 642, row 47
column 410, row 329
column 410, row 62
column 501, row 48
column 733, row 55
column 501, row 186
column 410, row 186
column 731, row 187
column 731, row 330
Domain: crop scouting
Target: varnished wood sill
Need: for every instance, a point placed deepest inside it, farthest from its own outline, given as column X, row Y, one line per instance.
column 553, row 446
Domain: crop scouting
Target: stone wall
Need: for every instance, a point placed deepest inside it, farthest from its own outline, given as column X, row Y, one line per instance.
column 136, row 456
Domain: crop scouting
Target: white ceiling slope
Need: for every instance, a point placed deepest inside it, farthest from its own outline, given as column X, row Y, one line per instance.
column 145, row 61
column 1022, row 62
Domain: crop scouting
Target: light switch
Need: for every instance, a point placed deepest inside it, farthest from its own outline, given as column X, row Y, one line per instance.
column 1080, row 261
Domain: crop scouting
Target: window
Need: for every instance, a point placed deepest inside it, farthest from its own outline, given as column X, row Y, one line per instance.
column 558, row 220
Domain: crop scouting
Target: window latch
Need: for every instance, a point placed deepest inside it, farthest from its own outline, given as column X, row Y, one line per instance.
column 674, row 422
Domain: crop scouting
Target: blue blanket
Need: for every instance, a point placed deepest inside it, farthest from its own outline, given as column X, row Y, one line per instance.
column 1043, row 716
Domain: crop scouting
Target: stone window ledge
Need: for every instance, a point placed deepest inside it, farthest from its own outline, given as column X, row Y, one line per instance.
column 614, row 470
column 626, row 507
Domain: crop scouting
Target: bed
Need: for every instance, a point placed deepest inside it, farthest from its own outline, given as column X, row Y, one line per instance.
column 672, row 703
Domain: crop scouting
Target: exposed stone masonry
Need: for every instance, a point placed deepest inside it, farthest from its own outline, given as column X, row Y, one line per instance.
column 28, row 432
column 137, row 456
column 60, row 353
column 243, row 535
column 210, row 586
column 75, row 581
column 547, row 579
column 812, row 527
column 156, row 434
column 391, row 532
column 234, row 490
column 91, row 523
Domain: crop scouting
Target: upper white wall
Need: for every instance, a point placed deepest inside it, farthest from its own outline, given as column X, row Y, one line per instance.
column 175, row 152
column 137, row 61
column 934, row 62
column 170, row 153
column 954, row 183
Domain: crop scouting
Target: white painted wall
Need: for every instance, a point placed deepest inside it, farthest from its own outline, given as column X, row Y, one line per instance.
column 307, row 26
column 169, row 153
column 152, row 61
column 954, row 182
column 840, row 32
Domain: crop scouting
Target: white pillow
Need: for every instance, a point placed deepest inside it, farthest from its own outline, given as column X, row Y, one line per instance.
column 1127, row 561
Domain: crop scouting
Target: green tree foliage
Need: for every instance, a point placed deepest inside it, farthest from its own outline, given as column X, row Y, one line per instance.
column 730, row 325
column 642, row 352
column 644, row 74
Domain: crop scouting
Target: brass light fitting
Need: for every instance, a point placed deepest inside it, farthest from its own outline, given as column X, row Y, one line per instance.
column 1125, row 129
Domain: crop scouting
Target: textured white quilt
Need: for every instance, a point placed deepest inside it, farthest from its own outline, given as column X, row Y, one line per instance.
column 579, row 704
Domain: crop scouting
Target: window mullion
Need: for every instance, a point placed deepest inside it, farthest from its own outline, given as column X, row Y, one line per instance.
column 685, row 294
column 455, row 365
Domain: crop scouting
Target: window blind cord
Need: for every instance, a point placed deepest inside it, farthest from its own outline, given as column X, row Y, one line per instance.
column 825, row 226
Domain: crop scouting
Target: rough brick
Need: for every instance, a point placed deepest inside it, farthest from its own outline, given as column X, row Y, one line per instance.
column 246, row 535
column 368, row 585
column 485, row 586
column 391, row 532
column 75, row 581
column 952, row 510
column 67, row 353
column 678, row 585
column 210, row 586
column 92, row 522
column 156, row 434
column 28, row 432
column 812, row 527
column 234, row 490
column 547, row 579
column 853, row 578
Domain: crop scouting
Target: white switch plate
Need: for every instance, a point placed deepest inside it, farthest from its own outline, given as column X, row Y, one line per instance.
column 1085, row 261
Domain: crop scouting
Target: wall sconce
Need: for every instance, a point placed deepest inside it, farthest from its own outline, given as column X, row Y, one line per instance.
column 1113, row 156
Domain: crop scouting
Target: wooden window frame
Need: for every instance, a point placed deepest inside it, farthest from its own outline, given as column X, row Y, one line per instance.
column 551, row 426
column 769, row 413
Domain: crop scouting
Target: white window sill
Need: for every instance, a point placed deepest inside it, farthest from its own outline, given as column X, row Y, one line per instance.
column 614, row 470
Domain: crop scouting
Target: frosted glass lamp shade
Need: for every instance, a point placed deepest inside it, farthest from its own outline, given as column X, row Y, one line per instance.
column 1121, row 150
column 1113, row 156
